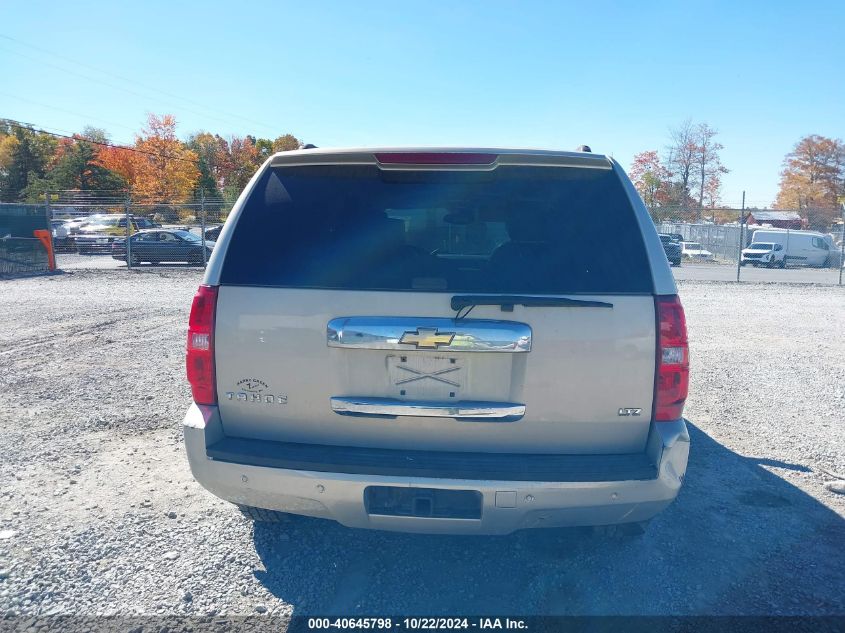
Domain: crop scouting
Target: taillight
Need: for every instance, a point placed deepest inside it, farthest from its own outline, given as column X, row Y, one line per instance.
column 436, row 158
column 672, row 373
column 200, row 349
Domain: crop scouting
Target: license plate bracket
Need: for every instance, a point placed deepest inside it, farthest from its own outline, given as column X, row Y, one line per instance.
column 423, row 502
column 426, row 377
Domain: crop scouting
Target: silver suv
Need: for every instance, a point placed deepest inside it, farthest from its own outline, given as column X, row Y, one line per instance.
column 432, row 341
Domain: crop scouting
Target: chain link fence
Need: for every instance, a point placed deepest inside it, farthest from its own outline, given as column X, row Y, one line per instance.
column 116, row 232
column 22, row 252
column 123, row 233
column 723, row 241
column 22, row 256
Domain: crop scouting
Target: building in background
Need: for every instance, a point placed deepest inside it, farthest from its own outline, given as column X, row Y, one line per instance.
column 777, row 219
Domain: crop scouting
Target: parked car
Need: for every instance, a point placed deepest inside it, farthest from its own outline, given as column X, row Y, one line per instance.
column 61, row 235
column 74, row 225
column 98, row 234
column 213, row 232
column 695, row 252
column 800, row 248
column 672, row 248
column 157, row 245
column 431, row 342
column 764, row 254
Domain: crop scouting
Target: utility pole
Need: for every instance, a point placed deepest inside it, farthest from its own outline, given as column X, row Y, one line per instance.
column 202, row 211
column 128, row 235
column 842, row 245
column 741, row 236
column 47, row 212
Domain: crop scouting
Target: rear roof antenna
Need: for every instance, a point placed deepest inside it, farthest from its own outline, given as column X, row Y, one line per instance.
column 584, row 148
column 309, row 146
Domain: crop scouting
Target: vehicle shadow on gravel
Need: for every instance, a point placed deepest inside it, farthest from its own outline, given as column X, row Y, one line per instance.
column 739, row 540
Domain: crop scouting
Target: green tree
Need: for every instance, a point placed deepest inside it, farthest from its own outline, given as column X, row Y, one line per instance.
column 264, row 147
column 27, row 159
column 75, row 167
column 213, row 154
column 284, row 143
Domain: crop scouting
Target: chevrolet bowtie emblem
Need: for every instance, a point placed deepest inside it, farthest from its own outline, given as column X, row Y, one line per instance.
column 427, row 338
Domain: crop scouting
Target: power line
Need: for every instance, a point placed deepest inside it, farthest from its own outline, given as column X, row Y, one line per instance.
column 105, row 83
column 57, row 109
column 130, row 81
column 122, row 78
column 23, row 126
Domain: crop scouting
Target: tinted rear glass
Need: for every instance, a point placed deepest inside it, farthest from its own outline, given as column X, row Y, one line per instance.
column 513, row 229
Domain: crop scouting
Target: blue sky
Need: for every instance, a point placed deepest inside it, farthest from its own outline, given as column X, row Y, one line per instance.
column 614, row 75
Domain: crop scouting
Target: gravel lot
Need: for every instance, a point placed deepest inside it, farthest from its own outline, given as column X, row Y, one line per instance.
column 726, row 271
column 99, row 513
column 711, row 271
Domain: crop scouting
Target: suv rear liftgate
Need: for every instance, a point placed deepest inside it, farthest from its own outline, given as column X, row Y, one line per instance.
column 403, row 336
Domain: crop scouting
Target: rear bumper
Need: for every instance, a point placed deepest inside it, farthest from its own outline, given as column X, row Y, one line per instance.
column 506, row 505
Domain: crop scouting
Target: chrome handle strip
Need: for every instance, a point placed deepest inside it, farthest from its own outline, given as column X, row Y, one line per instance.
column 427, row 333
column 462, row 410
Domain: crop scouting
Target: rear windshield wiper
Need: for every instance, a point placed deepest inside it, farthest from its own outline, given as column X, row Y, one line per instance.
column 507, row 302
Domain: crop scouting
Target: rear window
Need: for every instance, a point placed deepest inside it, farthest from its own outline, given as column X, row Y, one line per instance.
column 514, row 229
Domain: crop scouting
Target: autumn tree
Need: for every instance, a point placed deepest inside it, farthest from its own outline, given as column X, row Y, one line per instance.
column 120, row 161
column 165, row 170
column 813, row 179
column 245, row 160
column 8, row 148
column 158, row 168
column 712, row 190
column 284, row 143
column 680, row 163
column 650, row 178
column 694, row 166
column 708, row 165
column 8, row 144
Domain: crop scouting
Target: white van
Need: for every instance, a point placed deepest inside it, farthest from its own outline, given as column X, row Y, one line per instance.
column 802, row 248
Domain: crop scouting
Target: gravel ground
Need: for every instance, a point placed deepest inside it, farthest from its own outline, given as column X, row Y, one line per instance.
column 708, row 271
column 99, row 513
column 726, row 271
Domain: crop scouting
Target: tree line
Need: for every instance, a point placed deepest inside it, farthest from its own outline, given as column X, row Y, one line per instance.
column 684, row 182
column 158, row 167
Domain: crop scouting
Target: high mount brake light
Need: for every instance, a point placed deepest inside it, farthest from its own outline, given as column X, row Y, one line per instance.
column 436, row 158
column 199, row 359
column 672, row 372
